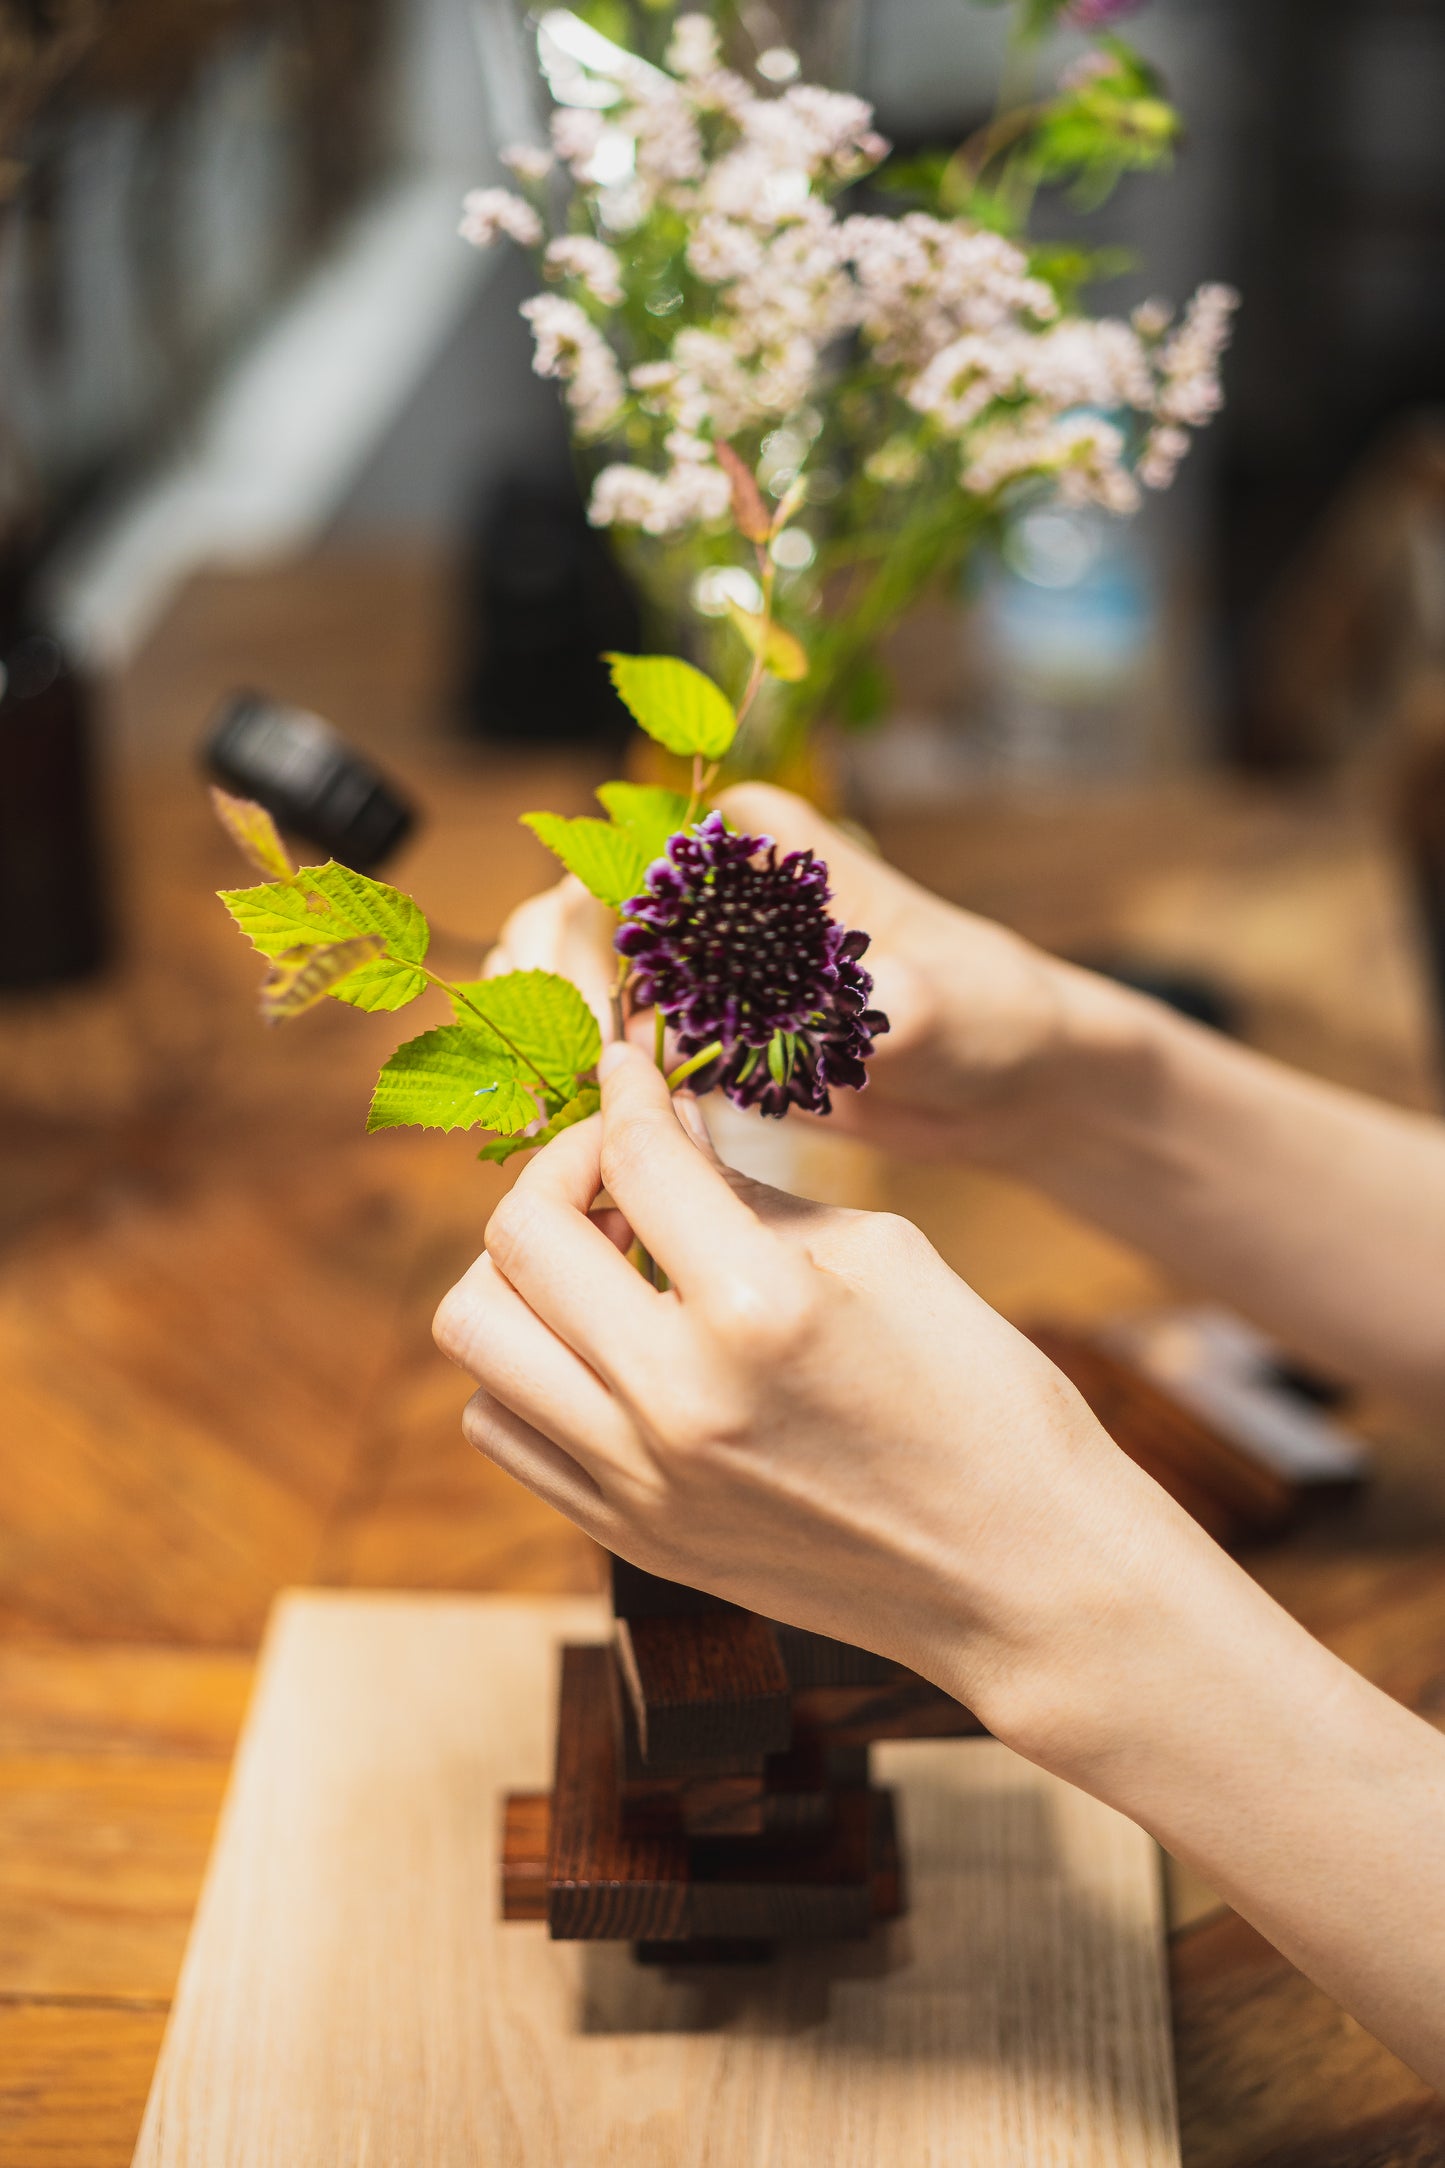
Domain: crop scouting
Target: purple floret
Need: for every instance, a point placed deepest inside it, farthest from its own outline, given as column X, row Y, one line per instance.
column 733, row 943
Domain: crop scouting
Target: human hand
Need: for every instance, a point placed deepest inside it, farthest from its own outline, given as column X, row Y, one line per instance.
column 976, row 1014
column 817, row 1420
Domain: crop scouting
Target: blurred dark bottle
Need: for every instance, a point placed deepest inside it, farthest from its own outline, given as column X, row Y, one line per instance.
column 53, row 920
column 545, row 597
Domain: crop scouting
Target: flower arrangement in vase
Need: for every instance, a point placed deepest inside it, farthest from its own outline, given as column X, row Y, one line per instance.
column 875, row 386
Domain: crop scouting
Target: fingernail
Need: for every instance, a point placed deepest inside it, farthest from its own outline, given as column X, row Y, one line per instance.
column 615, row 1051
column 689, row 1113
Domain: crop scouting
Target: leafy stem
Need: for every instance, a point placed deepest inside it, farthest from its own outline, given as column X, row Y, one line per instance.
column 455, row 993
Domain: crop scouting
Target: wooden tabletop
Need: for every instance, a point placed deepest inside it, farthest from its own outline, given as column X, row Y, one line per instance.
column 216, row 1375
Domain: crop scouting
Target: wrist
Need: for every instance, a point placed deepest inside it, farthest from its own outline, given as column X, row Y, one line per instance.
column 1087, row 1077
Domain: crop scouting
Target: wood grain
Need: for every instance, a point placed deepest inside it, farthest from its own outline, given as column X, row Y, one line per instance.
column 73, row 2082
column 349, row 1996
column 702, row 1685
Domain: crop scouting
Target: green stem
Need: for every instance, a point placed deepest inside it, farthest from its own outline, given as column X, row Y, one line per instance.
column 659, row 1040
column 694, row 1062
column 454, row 993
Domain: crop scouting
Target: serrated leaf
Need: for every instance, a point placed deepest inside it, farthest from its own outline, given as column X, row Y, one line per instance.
column 647, row 812
column 542, row 1015
column 330, row 903
column 455, row 1077
column 251, row 828
column 783, row 656
column 588, row 1100
column 373, row 907
column 301, row 977
column 675, row 703
column 606, row 859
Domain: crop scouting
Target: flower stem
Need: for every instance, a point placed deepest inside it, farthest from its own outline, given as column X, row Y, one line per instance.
column 659, row 1040
column 693, row 1063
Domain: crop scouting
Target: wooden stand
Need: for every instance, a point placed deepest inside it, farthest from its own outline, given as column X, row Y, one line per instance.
column 711, row 1791
column 349, row 1995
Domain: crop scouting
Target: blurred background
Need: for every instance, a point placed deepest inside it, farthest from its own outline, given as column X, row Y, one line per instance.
column 266, row 423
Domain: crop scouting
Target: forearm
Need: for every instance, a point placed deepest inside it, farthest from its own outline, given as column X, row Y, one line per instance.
column 1308, row 1799
column 1319, row 1213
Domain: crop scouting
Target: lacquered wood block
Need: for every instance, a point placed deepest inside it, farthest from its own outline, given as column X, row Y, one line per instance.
column 526, row 1845
column 607, row 1881
column 702, row 1685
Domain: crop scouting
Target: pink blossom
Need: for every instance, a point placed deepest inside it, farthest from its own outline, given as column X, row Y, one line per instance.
column 487, row 212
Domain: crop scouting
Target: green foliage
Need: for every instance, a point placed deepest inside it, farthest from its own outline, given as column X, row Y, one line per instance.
column 253, row 832
column 587, row 1101
column 456, row 1077
column 322, row 905
column 540, row 1016
column 783, row 656
column 606, row 859
column 1068, row 269
column 300, row 977
column 649, row 813
column 675, row 704
column 1112, row 123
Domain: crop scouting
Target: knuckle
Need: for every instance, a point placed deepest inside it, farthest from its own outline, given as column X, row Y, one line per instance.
column 510, row 1226
column 764, row 1317
column 898, row 1237
column 452, row 1325
column 479, row 1424
column 625, row 1143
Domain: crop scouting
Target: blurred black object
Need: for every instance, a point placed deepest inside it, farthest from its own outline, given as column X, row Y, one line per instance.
column 307, row 777
column 1202, row 1000
column 545, row 598
column 1420, row 823
column 53, row 921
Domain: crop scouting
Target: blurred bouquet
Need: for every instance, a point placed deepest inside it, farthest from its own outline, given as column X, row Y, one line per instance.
column 801, row 416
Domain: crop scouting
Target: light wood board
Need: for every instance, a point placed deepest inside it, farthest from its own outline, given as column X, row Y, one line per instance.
column 349, row 1998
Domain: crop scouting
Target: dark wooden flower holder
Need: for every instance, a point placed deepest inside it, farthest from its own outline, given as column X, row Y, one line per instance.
column 712, row 1792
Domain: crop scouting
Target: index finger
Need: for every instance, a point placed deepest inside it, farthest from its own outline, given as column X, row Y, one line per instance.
column 677, row 1199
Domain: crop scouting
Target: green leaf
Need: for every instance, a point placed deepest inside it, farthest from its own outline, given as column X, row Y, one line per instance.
column 783, row 656
column 588, row 1100
column 373, row 907
column 675, row 703
column 253, row 832
column 648, row 813
column 542, row 1015
column 606, row 859
column 300, row 977
column 330, row 903
column 456, row 1077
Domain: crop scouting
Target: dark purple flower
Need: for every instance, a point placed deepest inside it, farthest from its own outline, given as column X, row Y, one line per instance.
column 738, row 946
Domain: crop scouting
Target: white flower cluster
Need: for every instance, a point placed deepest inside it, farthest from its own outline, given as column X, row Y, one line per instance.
column 592, row 263
column 972, row 342
column 489, row 212
column 569, row 346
